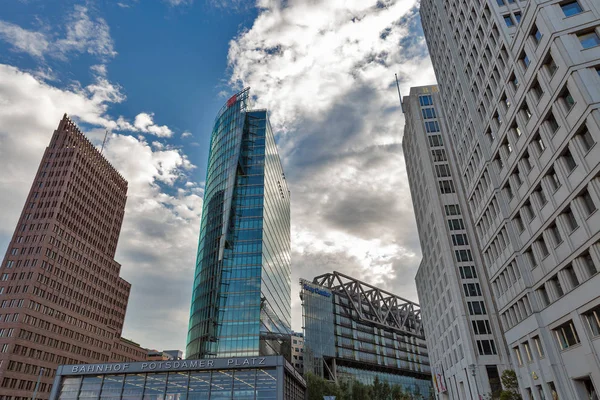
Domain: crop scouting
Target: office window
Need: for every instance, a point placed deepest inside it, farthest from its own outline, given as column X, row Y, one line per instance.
column 518, row 17
column 555, row 233
column 557, row 286
column 425, row 100
column 452, row 209
column 446, row 186
column 551, row 122
column 508, row 20
column 528, row 352
column 593, row 320
column 538, row 346
column 566, row 335
column 586, row 138
column 589, row 40
column 476, row 308
column 571, row 8
column 589, row 264
column 570, row 218
column 571, row 276
column 518, row 355
column 536, row 34
column 519, row 223
column 569, row 160
column 541, row 196
column 460, row 239
column 471, row 289
column 588, row 202
column 486, row 347
column 456, row 224
column 481, row 327
column 553, row 179
column 428, row 113
column 468, row 272
column 550, row 65
column 531, row 258
column 432, row 126
column 567, row 99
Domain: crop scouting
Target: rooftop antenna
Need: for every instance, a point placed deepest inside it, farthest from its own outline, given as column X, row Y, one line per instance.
column 399, row 95
column 104, row 141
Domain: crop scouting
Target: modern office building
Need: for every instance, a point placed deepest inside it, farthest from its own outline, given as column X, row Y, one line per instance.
column 241, row 300
column 127, row 350
column 297, row 345
column 355, row 331
column 175, row 354
column 62, row 299
column 240, row 378
column 520, row 88
column 464, row 339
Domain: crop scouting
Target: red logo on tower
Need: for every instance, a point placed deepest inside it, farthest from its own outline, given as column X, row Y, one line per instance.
column 231, row 100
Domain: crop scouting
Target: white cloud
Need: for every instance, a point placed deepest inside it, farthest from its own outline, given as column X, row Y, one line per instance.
column 144, row 122
column 325, row 70
column 81, row 35
column 99, row 70
column 34, row 43
column 186, row 134
column 176, row 3
column 160, row 230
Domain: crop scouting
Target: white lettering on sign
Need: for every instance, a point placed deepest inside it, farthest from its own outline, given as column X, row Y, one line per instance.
column 166, row 365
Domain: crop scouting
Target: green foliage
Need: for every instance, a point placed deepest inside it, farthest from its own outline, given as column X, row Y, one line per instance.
column 318, row 387
column 510, row 385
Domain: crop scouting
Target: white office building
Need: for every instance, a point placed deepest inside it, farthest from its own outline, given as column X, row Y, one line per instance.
column 466, row 347
column 520, row 86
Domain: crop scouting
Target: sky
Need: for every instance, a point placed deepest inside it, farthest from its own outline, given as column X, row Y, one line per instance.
column 154, row 74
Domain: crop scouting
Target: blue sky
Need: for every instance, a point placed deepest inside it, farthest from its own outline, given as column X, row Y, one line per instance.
column 154, row 73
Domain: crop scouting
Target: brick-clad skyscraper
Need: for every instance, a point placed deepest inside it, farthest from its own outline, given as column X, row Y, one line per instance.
column 61, row 298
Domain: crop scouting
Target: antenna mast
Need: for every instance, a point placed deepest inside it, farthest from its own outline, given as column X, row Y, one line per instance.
column 104, row 141
column 399, row 95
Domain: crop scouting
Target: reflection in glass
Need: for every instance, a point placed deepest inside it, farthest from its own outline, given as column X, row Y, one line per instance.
column 134, row 386
column 222, row 385
column 199, row 385
column 90, row 387
column 177, row 384
column 155, row 386
column 244, row 384
column 266, row 384
column 70, row 388
column 112, row 387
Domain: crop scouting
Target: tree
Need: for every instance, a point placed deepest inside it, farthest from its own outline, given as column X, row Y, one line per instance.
column 510, row 386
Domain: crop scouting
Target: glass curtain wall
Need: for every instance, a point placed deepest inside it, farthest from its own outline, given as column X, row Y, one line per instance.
column 241, row 302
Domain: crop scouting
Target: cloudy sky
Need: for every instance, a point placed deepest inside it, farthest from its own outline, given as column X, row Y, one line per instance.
column 155, row 73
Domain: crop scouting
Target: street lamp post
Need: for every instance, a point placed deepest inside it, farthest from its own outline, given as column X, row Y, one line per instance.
column 37, row 384
column 473, row 369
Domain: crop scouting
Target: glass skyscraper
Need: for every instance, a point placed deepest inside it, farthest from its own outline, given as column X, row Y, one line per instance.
column 241, row 300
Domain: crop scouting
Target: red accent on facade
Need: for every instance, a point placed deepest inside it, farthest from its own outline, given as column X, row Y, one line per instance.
column 232, row 100
column 62, row 299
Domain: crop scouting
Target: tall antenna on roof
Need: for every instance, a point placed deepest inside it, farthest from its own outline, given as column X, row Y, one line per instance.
column 104, row 141
column 399, row 95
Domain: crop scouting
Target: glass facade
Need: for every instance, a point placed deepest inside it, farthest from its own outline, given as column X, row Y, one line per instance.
column 339, row 343
column 240, row 384
column 241, row 300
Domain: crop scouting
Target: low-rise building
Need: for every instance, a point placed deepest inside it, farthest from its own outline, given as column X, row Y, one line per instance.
column 354, row 331
column 269, row 377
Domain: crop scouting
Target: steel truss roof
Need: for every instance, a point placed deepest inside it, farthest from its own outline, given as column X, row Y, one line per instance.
column 375, row 305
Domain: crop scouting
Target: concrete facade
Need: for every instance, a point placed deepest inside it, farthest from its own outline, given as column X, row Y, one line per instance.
column 466, row 347
column 298, row 351
column 62, row 299
column 520, row 84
